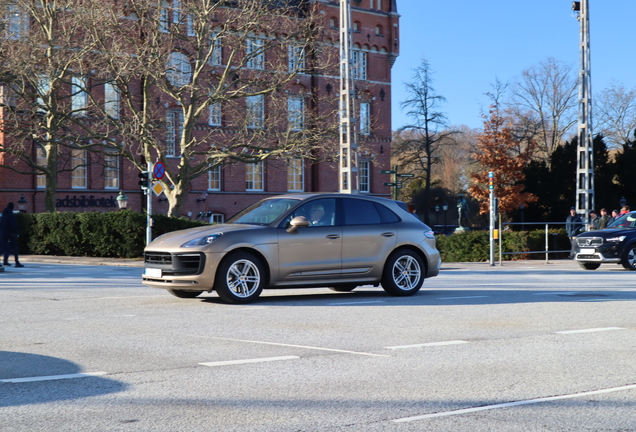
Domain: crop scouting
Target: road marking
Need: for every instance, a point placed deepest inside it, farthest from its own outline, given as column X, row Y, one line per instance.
column 295, row 346
column 258, row 360
column 512, row 404
column 592, row 330
column 53, row 377
column 454, row 342
column 458, row 298
column 355, row 303
column 558, row 293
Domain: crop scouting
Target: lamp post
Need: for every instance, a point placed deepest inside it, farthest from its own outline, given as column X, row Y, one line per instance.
column 22, row 202
column 445, row 208
column 437, row 214
column 122, row 200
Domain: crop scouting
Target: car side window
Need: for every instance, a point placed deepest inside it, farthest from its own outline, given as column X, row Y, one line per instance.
column 320, row 212
column 387, row 215
column 360, row 212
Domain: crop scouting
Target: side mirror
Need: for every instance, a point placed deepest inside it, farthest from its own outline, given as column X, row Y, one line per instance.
column 298, row 222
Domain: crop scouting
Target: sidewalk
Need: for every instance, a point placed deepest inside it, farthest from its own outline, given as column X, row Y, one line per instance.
column 49, row 259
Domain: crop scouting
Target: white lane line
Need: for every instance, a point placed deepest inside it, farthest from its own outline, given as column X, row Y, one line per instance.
column 356, row 303
column 459, row 298
column 430, row 344
column 592, row 330
column 257, row 360
column 558, row 293
column 53, row 377
column 294, row 346
column 516, row 403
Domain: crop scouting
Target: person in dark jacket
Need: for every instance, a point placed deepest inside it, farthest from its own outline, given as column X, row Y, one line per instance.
column 604, row 220
column 573, row 226
column 9, row 235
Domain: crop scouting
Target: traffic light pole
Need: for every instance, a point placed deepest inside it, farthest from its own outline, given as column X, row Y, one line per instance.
column 148, row 193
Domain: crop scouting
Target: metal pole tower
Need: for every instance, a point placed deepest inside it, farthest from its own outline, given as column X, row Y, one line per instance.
column 348, row 169
column 585, row 151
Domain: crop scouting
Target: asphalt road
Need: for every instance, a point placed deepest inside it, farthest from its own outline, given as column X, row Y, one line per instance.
column 522, row 347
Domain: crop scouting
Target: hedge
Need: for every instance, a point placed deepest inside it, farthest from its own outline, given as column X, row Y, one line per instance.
column 120, row 234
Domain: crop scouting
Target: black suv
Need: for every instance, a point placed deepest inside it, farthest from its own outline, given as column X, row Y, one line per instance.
column 614, row 244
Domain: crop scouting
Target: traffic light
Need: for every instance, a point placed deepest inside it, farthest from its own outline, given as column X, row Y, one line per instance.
column 144, row 180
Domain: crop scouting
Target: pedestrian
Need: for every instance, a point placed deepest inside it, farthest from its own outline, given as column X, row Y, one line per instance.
column 614, row 215
column 9, row 235
column 573, row 226
column 411, row 209
column 593, row 221
column 624, row 211
column 604, row 220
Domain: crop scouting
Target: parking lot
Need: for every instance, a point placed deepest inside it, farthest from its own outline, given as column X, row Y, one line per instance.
column 525, row 346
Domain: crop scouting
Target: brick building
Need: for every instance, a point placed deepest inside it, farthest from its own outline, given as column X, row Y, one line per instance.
column 93, row 180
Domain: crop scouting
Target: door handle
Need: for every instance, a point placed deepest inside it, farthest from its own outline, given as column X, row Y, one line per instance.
column 333, row 236
column 387, row 234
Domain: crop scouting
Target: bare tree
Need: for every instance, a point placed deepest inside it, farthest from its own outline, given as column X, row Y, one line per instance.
column 615, row 114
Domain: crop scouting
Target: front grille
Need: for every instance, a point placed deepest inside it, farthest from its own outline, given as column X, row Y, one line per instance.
column 162, row 258
column 589, row 241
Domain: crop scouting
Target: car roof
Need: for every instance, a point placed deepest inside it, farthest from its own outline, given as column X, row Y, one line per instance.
column 307, row 195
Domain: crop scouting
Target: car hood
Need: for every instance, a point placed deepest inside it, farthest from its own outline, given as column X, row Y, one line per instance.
column 175, row 239
column 608, row 232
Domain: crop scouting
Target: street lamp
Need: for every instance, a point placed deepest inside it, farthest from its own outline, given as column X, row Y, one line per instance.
column 445, row 208
column 122, row 200
column 22, row 202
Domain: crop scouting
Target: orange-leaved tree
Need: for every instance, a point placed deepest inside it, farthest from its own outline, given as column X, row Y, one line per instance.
column 498, row 151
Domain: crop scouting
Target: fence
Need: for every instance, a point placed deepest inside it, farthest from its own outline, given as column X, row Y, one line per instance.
column 547, row 250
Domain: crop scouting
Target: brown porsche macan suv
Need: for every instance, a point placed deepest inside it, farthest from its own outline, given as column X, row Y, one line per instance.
column 334, row 240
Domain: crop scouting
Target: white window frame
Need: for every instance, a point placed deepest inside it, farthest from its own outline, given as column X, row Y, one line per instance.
column 296, row 112
column 178, row 69
column 365, row 118
column 7, row 96
column 359, row 64
column 214, row 178
column 16, row 22
column 295, row 57
column 190, row 25
column 112, row 100
column 255, row 53
column 43, row 87
column 79, row 171
column 79, row 96
column 295, row 175
column 174, row 130
column 255, row 176
column 176, row 11
column 215, row 114
column 364, row 176
column 255, row 111
column 111, row 171
column 40, row 159
column 164, row 17
column 216, row 57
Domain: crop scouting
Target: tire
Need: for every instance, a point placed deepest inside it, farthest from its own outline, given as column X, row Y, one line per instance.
column 629, row 260
column 240, row 278
column 403, row 274
column 184, row 294
column 344, row 287
column 590, row 266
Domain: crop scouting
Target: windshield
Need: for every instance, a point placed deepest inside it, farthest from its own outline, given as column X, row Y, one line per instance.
column 626, row 221
column 264, row 212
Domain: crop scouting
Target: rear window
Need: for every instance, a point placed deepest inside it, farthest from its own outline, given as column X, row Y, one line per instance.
column 387, row 215
column 360, row 212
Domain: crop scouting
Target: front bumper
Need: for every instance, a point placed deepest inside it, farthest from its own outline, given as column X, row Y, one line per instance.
column 180, row 271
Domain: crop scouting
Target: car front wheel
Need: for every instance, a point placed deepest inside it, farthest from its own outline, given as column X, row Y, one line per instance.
column 403, row 273
column 240, row 278
column 590, row 266
column 629, row 261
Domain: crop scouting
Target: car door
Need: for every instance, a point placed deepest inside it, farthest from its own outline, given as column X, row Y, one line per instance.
column 369, row 234
column 311, row 253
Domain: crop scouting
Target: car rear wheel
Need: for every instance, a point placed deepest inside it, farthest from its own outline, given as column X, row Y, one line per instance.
column 240, row 278
column 590, row 266
column 343, row 288
column 403, row 273
column 184, row 294
column 629, row 260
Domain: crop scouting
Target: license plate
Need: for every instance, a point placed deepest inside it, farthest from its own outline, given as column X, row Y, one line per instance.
column 153, row 272
column 587, row 251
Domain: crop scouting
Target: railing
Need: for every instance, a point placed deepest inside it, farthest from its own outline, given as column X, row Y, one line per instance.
column 547, row 237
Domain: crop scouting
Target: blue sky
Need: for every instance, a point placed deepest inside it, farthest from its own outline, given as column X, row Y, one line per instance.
column 470, row 43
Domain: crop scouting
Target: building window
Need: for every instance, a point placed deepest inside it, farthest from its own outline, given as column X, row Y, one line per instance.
column 174, row 130
column 43, row 87
column 215, row 114
column 40, row 159
column 16, row 22
column 254, row 176
column 296, row 113
column 295, row 175
column 178, row 69
column 164, row 17
column 255, row 54
column 356, row 27
column 7, row 96
column 216, row 58
column 365, row 118
column 255, row 111
column 378, row 30
column 176, row 11
column 379, row 3
column 359, row 64
column 217, row 218
column 111, row 171
column 78, row 165
column 190, row 25
column 214, row 178
column 296, row 58
column 364, row 173
column 111, row 100
column 79, row 97
column 333, row 23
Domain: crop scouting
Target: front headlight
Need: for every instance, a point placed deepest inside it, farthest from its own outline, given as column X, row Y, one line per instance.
column 202, row 241
column 616, row 239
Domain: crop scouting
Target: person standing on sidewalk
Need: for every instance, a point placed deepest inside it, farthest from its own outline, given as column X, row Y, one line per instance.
column 9, row 235
column 573, row 226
